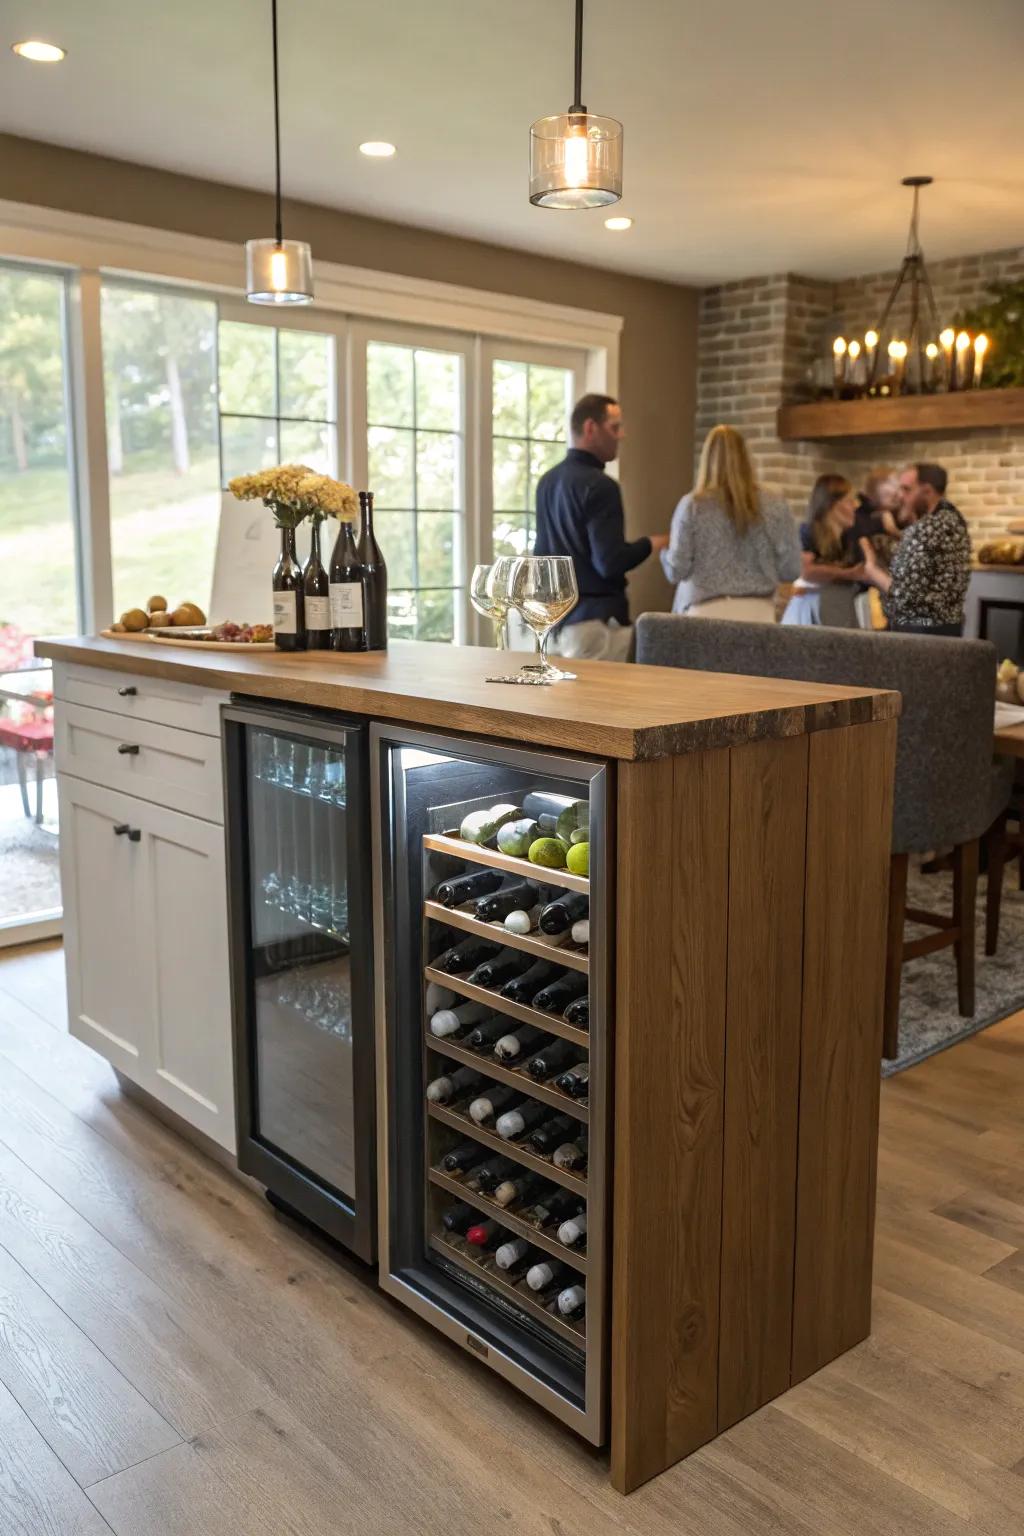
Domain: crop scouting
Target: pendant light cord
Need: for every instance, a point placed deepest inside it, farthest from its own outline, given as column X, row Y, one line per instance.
column 577, row 99
column 277, row 130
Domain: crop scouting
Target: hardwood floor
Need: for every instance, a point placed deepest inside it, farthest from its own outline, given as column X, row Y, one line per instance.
column 173, row 1359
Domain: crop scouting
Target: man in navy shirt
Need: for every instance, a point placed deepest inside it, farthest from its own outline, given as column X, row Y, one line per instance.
column 579, row 513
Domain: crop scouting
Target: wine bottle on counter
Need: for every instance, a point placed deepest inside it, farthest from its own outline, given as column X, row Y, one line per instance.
column 578, row 1012
column 552, row 1056
column 575, row 1082
column 521, row 1187
column 452, row 1021
column 504, row 966
column 496, row 905
column 572, row 1154
column 555, row 1207
column 546, row 1273
column 572, row 1302
column 289, row 609
column 558, row 994
column 482, row 1038
column 484, row 1234
column 488, row 1104
column 375, row 580
column 458, row 1218
column 315, row 598
column 345, row 592
column 465, row 956
column 511, row 1047
column 559, row 915
column 522, row 988
column 512, row 1253
column 480, row 882
column 461, row 1158
column 572, row 1230
column 486, row 1177
column 552, row 1133
column 453, row 1085
column 515, row 1122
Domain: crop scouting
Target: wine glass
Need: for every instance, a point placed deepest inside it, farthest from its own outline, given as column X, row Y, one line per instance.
column 480, row 595
column 543, row 589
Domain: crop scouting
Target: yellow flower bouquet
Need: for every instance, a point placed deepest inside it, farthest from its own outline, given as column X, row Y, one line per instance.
column 294, row 492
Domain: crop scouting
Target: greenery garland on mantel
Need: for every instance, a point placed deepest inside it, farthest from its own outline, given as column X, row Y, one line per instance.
column 1001, row 317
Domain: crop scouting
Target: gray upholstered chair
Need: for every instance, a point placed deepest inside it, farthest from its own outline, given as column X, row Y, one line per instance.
column 949, row 790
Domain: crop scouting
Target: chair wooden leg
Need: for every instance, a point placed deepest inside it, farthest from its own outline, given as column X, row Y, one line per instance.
column 965, row 899
column 894, row 955
column 995, row 844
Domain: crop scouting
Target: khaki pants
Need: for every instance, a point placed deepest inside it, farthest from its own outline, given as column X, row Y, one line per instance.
column 755, row 610
column 594, row 640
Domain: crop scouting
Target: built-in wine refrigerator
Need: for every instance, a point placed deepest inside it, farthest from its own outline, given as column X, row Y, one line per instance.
column 493, row 1058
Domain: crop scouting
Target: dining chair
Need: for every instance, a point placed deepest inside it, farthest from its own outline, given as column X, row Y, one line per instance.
column 949, row 790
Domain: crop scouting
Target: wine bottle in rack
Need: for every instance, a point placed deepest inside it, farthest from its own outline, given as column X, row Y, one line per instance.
column 482, row 1038
column 546, row 808
column 496, row 905
column 522, row 920
column 546, row 1273
column 515, row 1122
column 462, row 888
column 558, row 994
column 513, row 1046
column 484, row 1234
column 555, row 1207
column 572, row 1155
column 494, row 973
column 438, row 997
column 461, row 1158
column 464, row 956
column 551, row 1058
column 572, row 1230
column 491, row 1103
column 552, row 1133
column 578, row 1012
column 575, row 1082
column 559, row 915
column 453, row 1085
column 522, row 988
column 522, row 1186
column 572, row 1302
column 581, row 931
column 508, row 1255
column 458, row 1218
column 452, row 1021
column 488, row 1176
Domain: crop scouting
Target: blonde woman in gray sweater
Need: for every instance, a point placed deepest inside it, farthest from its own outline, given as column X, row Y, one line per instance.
column 731, row 543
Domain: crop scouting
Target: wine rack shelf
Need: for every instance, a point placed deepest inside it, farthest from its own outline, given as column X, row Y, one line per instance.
column 508, row 1219
column 459, row 1253
column 518, row 1153
column 552, row 1023
column 540, row 944
column 442, row 842
column 489, row 1066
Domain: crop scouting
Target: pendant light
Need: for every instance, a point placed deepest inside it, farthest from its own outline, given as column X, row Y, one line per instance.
column 576, row 156
column 278, row 271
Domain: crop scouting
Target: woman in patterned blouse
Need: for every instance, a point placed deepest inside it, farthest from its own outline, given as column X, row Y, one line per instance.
column 923, row 592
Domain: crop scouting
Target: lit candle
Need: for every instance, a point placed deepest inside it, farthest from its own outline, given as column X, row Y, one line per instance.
column 838, row 361
column 931, row 352
column 853, row 353
column 898, row 358
column 946, row 340
column 980, row 348
column 963, row 342
column 871, row 342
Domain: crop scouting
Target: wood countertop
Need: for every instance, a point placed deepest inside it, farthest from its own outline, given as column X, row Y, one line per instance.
column 612, row 710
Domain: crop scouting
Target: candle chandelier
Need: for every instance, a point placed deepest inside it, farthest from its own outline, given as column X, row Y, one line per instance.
column 576, row 156
column 912, row 275
column 278, row 271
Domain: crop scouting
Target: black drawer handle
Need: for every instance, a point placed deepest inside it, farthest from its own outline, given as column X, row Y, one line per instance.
column 129, row 692
column 129, row 749
column 123, row 829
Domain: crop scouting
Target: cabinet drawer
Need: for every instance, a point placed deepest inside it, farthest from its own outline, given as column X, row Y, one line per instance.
column 174, row 768
column 140, row 698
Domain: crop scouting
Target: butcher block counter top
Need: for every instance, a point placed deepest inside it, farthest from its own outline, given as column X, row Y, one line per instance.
column 613, row 709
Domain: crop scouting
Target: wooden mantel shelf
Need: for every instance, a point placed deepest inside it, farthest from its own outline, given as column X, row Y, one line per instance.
column 905, row 414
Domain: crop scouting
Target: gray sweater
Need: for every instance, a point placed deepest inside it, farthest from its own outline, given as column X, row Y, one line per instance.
column 708, row 558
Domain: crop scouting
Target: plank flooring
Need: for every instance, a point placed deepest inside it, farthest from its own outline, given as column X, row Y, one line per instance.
column 174, row 1359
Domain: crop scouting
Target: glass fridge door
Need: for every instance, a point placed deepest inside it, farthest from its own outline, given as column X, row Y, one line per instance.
column 304, row 1032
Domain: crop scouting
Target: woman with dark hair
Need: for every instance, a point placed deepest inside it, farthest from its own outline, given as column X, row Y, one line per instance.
column 831, row 563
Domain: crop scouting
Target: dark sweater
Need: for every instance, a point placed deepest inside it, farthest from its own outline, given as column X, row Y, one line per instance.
column 579, row 513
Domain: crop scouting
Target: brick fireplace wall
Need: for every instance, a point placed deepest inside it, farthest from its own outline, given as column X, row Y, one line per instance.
column 758, row 340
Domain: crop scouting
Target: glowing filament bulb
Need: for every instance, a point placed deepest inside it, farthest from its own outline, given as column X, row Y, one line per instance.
column 839, row 346
column 278, row 271
column 871, row 339
column 854, row 350
column 576, row 158
column 946, row 337
column 980, row 345
column 963, row 341
column 931, row 351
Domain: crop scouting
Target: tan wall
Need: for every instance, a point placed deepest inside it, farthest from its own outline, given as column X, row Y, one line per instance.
column 659, row 342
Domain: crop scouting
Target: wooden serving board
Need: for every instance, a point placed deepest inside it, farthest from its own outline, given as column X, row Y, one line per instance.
column 156, row 637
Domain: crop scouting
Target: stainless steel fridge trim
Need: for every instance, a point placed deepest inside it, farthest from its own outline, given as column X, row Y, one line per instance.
column 309, row 727
column 591, row 1421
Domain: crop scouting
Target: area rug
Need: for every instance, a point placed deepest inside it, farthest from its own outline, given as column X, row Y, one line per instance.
column 929, row 1019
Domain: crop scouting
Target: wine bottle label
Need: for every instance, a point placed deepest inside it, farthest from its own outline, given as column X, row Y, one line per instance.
column 346, row 604
column 285, row 615
column 318, row 613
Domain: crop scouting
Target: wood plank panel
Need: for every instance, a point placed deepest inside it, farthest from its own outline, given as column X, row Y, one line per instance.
column 843, row 983
column 766, row 895
column 833, row 419
column 669, row 1045
column 38, row 1496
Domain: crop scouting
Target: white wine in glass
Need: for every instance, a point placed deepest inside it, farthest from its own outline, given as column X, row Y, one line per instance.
column 480, row 597
column 543, row 589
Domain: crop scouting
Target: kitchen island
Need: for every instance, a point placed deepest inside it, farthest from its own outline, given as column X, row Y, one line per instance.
column 732, row 1113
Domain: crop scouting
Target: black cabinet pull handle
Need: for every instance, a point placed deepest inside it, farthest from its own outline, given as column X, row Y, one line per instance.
column 124, row 830
column 129, row 692
column 129, row 749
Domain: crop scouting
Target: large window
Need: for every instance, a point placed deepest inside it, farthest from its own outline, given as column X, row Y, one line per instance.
column 278, row 402
column 415, row 440
column 530, row 406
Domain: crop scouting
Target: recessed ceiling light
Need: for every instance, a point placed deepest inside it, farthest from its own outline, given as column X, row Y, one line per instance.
column 619, row 222
column 377, row 149
column 38, row 52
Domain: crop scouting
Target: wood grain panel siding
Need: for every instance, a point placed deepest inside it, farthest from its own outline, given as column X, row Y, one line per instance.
column 843, row 987
column 672, row 902
column 766, row 898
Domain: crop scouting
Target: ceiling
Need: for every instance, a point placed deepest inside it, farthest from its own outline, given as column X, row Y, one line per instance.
column 758, row 137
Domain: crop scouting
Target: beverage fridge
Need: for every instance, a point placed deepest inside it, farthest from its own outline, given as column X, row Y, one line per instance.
column 493, row 1055
column 301, row 960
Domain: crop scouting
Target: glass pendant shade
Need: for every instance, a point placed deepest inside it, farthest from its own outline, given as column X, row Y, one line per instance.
column 575, row 161
column 278, row 272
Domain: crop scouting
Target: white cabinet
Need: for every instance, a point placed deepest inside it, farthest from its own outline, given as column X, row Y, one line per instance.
column 147, row 948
